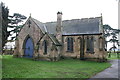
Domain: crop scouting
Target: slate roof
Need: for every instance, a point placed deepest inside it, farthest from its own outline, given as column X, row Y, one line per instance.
column 76, row 26
column 54, row 39
column 51, row 27
column 70, row 27
column 39, row 24
column 43, row 28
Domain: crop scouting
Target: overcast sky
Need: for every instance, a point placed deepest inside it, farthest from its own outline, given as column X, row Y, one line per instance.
column 45, row 10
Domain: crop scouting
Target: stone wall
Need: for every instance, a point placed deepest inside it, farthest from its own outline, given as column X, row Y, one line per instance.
column 52, row 50
column 76, row 48
column 33, row 31
column 37, row 37
column 98, row 53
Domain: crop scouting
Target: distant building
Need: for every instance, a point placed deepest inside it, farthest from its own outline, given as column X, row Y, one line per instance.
column 77, row 38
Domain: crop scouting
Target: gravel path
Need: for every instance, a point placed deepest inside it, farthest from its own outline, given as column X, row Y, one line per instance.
column 110, row 73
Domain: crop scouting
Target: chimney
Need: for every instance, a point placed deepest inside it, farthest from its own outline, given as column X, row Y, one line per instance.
column 59, row 21
column 59, row 31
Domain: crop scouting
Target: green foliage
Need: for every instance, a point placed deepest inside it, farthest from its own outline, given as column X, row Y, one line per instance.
column 113, row 55
column 16, row 18
column 107, row 30
column 70, row 68
column 0, row 67
column 4, row 16
column 11, row 22
column 114, row 39
column 113, row 33
column 14, row 23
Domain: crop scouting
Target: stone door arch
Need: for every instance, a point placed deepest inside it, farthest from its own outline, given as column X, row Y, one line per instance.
column 28, row 47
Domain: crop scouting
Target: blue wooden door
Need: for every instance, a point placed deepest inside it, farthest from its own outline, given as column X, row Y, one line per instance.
column 29, row 48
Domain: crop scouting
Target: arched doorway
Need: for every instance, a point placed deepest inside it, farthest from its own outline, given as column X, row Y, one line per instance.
column 29, row 48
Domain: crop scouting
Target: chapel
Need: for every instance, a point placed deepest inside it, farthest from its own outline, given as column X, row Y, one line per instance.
column 52, row 41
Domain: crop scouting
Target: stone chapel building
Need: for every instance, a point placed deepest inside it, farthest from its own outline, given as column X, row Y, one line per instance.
column 52, row 41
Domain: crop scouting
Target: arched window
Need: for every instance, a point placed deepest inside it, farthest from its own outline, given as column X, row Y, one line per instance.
column 70, row 44
column 90, row 45
column 45, row 47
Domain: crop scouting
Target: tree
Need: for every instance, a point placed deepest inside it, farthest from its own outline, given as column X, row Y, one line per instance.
column 107, row 31
column 6, row 22
column 15, row 23
column 4, row 17
column 114, row 39
column 112, row 34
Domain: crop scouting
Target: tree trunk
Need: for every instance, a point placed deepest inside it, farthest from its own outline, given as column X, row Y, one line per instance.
column 114, row 46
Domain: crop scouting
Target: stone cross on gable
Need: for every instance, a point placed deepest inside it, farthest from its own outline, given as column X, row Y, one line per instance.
column 29, row 23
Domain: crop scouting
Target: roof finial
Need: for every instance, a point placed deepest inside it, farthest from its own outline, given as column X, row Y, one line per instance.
column 101, row 14
column 101, row 18
column 30, row 14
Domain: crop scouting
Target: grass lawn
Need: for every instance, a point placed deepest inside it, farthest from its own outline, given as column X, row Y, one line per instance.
column 69, row 68
column 113, row 56
column 0, row 67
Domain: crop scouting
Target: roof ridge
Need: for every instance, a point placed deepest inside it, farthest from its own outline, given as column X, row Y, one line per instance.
column 83, row 18
column 54, row 39
column 38, row 23
column 36, row 20
column 74, row 19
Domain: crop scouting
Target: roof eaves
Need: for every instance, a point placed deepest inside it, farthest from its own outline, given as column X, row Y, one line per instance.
column 77, row 34
column 57, row 44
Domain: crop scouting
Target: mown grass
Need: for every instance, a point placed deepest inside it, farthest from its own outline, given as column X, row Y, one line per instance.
column 113, row 56
column 69, row 68
column 0, row 67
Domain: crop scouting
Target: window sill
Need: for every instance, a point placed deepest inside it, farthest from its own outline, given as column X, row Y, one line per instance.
column 70, row 51
column 101, row 49
column 90, row 52
column 44, row 53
